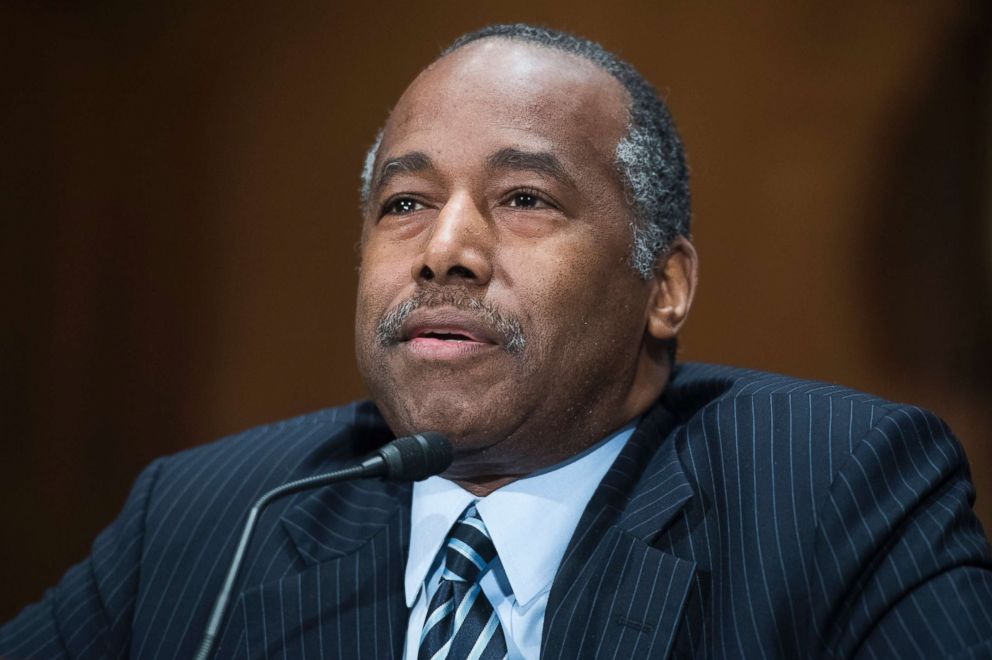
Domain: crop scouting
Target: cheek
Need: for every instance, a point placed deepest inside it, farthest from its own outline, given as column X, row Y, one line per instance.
column 573, row 295
column 379, row 281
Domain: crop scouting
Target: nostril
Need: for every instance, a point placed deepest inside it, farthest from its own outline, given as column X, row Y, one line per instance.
column 461, row 271
column 426, row 273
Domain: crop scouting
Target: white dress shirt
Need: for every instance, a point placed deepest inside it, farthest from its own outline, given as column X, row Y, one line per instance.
column 530, row 522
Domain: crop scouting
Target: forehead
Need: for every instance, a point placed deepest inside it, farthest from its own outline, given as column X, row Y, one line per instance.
column 497, row 93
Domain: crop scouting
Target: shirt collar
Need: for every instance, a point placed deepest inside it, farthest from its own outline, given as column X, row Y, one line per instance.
column 530, row 520
column 437, row 503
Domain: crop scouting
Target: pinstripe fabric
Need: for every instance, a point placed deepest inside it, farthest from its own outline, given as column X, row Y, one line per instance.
column 750, row 515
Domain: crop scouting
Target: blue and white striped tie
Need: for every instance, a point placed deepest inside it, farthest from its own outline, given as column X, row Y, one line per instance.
column 461, row 623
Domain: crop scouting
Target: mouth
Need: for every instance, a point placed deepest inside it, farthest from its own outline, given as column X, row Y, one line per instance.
column 446, row 334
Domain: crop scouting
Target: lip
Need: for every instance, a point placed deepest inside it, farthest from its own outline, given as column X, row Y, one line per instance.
column 446, row 334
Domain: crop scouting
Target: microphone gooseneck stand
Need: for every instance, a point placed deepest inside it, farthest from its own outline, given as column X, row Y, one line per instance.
column 411, row 458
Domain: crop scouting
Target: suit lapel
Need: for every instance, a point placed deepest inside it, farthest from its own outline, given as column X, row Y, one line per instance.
column 344, row 597
column 615, row 595
column 336, row 521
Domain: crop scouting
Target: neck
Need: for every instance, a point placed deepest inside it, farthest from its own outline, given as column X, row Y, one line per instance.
column 543, row 442
column 483, row 482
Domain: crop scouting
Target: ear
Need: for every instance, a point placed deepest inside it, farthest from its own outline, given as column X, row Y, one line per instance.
column 673, row 288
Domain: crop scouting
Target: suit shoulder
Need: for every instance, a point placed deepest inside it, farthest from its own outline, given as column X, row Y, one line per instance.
column 782, row 405
column 328, row 421
column 268, row 455
column 695, row 385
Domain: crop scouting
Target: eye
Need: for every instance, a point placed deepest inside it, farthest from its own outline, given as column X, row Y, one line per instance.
column 525, row 199
column 402, row 206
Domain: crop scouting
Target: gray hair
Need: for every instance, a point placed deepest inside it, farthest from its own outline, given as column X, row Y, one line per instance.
column 650, row 158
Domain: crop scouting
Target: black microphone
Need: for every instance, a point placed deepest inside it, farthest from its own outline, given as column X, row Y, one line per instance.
column 411, row 458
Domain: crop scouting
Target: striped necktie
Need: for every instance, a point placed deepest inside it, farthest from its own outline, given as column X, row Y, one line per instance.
column 461, row 623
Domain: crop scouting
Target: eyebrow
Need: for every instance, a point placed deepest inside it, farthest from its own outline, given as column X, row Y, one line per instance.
column 541, row 162
column 415, row 161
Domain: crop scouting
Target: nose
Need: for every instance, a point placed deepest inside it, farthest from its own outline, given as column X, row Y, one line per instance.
column 459, row 246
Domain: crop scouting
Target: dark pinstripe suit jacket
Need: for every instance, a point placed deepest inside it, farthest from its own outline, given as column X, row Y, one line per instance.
column 749, row 516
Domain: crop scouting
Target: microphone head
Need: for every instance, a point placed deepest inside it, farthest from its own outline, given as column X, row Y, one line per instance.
column 417, row 456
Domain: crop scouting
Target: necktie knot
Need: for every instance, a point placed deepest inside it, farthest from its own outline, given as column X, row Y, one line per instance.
column 469, row 550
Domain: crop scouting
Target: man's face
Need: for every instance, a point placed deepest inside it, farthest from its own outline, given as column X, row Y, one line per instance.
column 495, row 301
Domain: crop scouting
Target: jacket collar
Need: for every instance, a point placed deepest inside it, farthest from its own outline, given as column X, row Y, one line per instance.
column 606, row 598
column 334, row 521
column 348, row 545
column 654, row 476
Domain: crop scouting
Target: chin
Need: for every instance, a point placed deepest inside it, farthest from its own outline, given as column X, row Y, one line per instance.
column 467, row 421
column 475, row 405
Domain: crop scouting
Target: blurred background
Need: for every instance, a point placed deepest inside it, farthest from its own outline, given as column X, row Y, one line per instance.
column 179, row 211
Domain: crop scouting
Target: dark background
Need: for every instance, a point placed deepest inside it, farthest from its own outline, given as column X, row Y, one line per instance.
column 179, row 211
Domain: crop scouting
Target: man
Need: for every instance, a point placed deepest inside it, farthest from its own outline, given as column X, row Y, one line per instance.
column 526, row 267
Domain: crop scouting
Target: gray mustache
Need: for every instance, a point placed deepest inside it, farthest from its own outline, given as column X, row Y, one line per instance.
column 389, row 332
